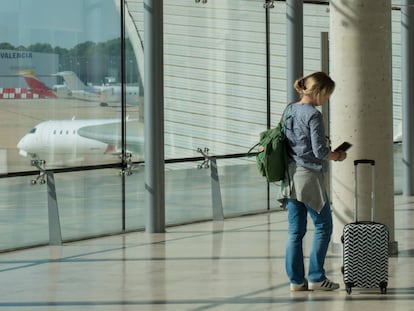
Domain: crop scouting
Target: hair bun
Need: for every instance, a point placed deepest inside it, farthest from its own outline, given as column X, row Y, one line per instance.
column 302, row 84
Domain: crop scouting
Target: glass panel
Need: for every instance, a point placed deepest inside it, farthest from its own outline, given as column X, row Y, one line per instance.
column 23, row 213
column 215, row 89
column 397, row 99
column 134, row 63
column 56, row 55
column 278, row 70
column 243, row 189
column 89, row 203
column 135, row 199
column 398, row 169
column 315, row 21
column 214, row 75
column 187, row 193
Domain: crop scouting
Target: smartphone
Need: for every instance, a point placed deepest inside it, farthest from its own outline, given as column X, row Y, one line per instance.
column 344, row 146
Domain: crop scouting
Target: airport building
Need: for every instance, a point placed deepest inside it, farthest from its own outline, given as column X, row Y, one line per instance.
column 13, row 61
column 141, row 195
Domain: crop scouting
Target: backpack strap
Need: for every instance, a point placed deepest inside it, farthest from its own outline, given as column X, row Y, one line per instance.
column 283, row 119
column 284, row 115
column 249, row 153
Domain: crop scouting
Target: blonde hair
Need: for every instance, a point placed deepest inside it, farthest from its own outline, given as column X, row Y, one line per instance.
column 316, row 85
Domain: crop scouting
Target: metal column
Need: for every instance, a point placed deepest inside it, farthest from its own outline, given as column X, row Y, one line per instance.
column 294, row 15
column 55, row 233
column 325, row 108
column 215, row 191
column 154, row 116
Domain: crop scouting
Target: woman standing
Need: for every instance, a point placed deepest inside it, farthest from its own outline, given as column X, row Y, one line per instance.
column 309, row 151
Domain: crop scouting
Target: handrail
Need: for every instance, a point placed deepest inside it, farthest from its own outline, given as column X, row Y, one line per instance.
column 62, row 170
column 119, row 165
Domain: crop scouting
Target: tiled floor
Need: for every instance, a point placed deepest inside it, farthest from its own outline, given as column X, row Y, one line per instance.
column 237, row 264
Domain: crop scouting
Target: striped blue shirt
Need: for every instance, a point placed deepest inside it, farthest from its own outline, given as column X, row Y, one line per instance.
column 305, row 134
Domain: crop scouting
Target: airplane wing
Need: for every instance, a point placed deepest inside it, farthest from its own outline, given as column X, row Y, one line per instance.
column 111, row 134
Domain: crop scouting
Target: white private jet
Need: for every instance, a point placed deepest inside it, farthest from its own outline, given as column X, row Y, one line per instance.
column 105, row 94
column 63, row 142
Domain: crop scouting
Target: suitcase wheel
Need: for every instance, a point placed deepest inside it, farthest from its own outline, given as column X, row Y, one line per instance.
column 348, row 287
column 383, row 286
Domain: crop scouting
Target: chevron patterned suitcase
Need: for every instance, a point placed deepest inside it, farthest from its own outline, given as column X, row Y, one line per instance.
column 365, row 247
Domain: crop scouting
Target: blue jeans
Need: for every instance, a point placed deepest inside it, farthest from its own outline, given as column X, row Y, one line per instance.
column 297, row 217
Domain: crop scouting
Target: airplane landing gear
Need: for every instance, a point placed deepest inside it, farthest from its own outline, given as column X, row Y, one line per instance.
column 41, row 166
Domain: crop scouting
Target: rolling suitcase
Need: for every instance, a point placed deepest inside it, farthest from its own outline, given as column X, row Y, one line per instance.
column 365, row 246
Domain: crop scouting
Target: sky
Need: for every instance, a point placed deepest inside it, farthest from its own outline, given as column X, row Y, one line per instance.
column 62, row 23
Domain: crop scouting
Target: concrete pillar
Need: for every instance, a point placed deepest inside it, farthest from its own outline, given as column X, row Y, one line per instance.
column 361, row 109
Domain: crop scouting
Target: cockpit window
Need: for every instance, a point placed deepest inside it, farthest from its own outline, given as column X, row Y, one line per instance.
column 33, row 130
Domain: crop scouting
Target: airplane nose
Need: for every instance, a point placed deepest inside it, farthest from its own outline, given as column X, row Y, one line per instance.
column 22, row 146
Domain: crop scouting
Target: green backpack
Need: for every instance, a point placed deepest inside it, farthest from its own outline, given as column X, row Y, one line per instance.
column 272, row 157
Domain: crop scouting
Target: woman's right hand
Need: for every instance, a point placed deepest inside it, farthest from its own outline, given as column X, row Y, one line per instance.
column 337, row 156
column 341, row 155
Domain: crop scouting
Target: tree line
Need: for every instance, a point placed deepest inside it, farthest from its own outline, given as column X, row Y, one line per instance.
column 91, row 61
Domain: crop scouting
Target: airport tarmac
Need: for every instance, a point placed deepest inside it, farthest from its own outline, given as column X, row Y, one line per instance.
column 18, row 116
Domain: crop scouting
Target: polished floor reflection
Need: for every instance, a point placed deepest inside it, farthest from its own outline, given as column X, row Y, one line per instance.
column 237, row 264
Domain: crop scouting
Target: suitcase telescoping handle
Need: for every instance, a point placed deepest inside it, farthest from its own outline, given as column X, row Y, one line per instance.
column 372, row 163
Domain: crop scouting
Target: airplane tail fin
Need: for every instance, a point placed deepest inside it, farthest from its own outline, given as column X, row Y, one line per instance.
column 36, row 86
column 72, row 81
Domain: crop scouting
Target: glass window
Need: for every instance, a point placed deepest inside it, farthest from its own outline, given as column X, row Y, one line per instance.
column 61, row 83
column 23, row 213
column 89, row 203
column 56, row 57
column 214, row 76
